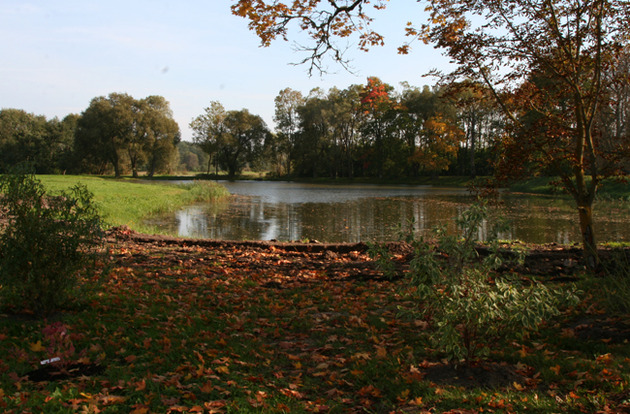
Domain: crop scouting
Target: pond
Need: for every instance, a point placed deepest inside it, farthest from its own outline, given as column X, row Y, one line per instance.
column 285, row 211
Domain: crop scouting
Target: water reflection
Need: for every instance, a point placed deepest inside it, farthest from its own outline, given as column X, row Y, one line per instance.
column 293, row 211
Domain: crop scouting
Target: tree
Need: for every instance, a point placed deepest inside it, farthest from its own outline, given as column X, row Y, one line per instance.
column 208, row 129
column 162, row 134
column 544, row 62
column 481, row 120
column 379, row 109
column 287, row 123
column 30, row 138
column 191, row 156
column 66, row 131
column 310, row 153
column 127, row 132
column 440, row 140
column 233, row 138
column 105, row 129
column 345, row 122
column 244, row 135
column 572, row 42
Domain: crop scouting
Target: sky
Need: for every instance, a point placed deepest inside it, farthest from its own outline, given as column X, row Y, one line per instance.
column 57, row 55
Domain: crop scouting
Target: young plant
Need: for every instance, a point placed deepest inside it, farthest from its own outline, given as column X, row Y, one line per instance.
column 467, row 301
column 45, row 243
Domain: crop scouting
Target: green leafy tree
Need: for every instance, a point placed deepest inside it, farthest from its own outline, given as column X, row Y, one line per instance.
column 242, row 140
column 127, row 133
column 345, row 122
column 379, row 129
column 26, row 137
column 208, row 129
column 191, row 156
column 310, row 152
column 287, row 123
column 232, row 138
column 161, row 135
column 105, row 130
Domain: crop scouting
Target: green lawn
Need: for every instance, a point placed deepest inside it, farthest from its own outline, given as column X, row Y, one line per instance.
column 128, row 202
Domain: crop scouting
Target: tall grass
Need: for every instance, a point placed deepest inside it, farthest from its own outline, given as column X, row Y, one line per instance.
column 130, row 202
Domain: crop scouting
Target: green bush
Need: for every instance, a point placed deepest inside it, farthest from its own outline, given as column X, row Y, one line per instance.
column 45, row 243
column 465, row 299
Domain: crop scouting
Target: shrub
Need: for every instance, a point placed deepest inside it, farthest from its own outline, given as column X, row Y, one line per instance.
column 45, row 243
column 465, row 299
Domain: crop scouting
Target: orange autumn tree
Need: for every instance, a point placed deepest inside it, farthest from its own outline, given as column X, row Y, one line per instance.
column 375, row 96
column 501, row 43
column 440, row 140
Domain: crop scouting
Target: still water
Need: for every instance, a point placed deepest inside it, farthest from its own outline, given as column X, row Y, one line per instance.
column 351, row 213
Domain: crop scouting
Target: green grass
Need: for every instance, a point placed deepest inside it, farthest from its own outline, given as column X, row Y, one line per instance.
column 610, row 189
column 129, row 202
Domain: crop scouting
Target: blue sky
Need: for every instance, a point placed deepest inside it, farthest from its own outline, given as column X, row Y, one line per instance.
column 59, row 54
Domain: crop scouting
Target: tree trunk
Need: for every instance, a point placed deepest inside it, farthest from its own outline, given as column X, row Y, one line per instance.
column 473, row 142
column 585, row 211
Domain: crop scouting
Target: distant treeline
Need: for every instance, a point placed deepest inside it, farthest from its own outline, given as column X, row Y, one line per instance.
column 370, row 130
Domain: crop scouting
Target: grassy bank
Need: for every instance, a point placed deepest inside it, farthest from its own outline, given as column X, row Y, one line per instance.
column 129, row 202
column 608, row 190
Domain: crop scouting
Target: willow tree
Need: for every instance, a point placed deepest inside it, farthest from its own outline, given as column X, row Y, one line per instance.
column 507, row 44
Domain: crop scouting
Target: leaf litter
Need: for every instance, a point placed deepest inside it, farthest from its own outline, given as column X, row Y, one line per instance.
column 209, row 326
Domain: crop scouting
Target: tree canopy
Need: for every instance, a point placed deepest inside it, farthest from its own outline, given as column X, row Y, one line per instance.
column 121, row 130
column 231, row 138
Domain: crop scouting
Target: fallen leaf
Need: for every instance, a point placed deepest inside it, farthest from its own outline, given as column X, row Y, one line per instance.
column 140, row 410
column 37, row 347
column 207, row 388
column 518, row 386
column 141, row 385
column 416, row 401
column 381, row 352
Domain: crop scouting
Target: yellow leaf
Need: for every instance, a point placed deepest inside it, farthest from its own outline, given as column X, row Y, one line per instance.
column 518, row 386
column 223, row 369
column 37, row 347
column 403, row 395
column 416, row 401
column 556, row 369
